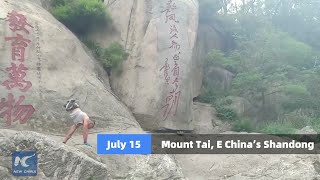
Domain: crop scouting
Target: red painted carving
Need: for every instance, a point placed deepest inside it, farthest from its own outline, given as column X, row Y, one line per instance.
column 175, row 89
column 17, row 75
column 174, row 36
column 171, row 102
column 17, row 22
column 171, row 17
column 19, row 41
column 172, row 99
column 166, row 67
column 174, row 45
column 169, row 7
column 17, row 53
column 13, row 111
column 176, row 57
column 176, row 69
column 173, row 29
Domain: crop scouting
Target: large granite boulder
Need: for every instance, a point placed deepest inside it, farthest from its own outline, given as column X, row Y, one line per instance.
column 55, row 160
column 156, row 82
column 244, row 167
column 205, row 120
column 58, row 161
column 58, row 68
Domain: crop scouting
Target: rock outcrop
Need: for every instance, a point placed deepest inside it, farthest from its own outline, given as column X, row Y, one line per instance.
column 243, row 167
column 58, row 161
column 205, row 121
column 58, row 69
column 55, row 160
column 156, row 82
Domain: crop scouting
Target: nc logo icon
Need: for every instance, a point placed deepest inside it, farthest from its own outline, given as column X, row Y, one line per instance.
column 24, row 163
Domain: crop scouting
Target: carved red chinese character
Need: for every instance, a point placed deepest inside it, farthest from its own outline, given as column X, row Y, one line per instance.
column 167, row 108
column 176, row 69
column 17, row 22
column 13, row 111
column 171, row 102
column 173, row 29
column 176, row 80
column 19, row 43
column 174, row 45
column 171, row 17
column 169, row 7
column 175, row 89
column 19, row 40
column 17, row 75
column 176, row 57
column 174, row 36
column 166, row 67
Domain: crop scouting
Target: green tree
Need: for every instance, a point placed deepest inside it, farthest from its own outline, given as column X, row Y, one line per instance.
column 80, row 16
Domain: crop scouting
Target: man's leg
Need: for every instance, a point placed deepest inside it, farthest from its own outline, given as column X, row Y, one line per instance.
column 72, row 129
column 85, row 129
column 91, row 124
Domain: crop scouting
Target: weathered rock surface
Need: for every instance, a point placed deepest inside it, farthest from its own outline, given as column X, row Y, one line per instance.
column 218, row 78
column 55, row 160
column 205, row 121
column 208, row 37
column 243, row 167
column 75, row 161
column 59, row 69
column 147, row 37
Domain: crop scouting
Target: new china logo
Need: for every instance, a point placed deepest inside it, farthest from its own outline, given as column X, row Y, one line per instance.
column 24, row 163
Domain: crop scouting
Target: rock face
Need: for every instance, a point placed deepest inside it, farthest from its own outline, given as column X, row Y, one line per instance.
column 205, row 121
column 58, row 161
column 243, row 167
column 55, row 160
column 58, row 69
column 210, row 36
column 156, row 82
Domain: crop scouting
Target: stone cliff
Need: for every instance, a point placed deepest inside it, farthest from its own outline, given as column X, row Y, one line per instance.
column 156, row 83
column 42, row 65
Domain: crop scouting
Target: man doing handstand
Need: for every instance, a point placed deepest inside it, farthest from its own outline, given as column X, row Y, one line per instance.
column 79, row 118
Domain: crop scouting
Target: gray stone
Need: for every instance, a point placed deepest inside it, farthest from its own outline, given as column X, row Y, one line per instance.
column 141, row 28
column 67, row 71
column 205, row 121
column 58, row 68
column 55, row 160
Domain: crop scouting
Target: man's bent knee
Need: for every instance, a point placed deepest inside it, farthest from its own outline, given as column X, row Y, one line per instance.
column 86, row 121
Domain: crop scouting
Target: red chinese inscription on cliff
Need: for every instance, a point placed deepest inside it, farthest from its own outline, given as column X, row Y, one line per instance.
column 11, row 109
column 171, row 102
column 16, row 78
column 17, row 22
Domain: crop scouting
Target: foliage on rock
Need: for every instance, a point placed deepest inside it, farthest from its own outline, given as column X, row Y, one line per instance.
column 81, row 16
column 111, row 57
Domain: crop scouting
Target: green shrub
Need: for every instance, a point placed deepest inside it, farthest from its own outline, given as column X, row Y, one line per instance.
column 208, row 96
column 226, row 113
column 111, row 57
column 243, row 125
column 55, row 3
column 80, row 16
column 277, row 128
column 297, row 121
